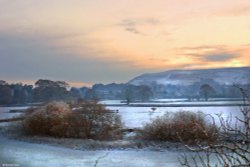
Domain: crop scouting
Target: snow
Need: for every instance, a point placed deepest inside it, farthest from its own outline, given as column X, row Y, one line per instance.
column 134, row 117
column 111, row 102
column 40, row 155
column 183, row 101
column 169, row 100
column 186, row 103
column 228, row 76
column 4, row 111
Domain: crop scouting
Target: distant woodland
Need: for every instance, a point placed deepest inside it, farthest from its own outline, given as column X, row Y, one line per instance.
column 47, row 90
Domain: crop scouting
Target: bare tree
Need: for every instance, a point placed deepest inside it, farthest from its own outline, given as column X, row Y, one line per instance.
column 233, row 149
column 206, row 91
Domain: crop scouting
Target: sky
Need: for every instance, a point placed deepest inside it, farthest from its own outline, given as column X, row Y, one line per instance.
column 103, row 41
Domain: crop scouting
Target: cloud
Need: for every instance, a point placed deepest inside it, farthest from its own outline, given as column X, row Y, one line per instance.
column 133, row 30
column 209, row 54
column 131, row 25
column 128, row 23
column 33, row 56
column 219, row 57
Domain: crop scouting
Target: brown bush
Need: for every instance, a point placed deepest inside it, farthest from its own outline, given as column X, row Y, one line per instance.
column 181, row 126
column 90, row 121
column 101, row 123
column 42, row 120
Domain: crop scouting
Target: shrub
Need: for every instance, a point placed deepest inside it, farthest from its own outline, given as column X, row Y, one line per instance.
column 233, row 148
column 43, row 119
column 90, row 121
column 181, row 126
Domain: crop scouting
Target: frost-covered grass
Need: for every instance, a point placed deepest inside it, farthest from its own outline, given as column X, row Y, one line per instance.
column 116, row 153
column 211, row 101
column 41, row 155
column 129, row 142
column 134, row 117
column 5, row 112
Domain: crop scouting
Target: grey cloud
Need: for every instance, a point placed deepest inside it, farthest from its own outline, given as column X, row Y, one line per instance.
column 30, row 57
column 133, row 30
column 131, row 25
column 219, row 57
column 128, row 23
column 216, row 53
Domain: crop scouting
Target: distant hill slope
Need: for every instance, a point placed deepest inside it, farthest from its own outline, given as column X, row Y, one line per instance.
column 222, row 76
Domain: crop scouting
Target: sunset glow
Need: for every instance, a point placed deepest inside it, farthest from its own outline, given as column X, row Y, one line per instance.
column 107, row 41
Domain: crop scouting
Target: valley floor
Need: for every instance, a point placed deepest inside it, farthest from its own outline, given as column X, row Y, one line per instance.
column 18, row 153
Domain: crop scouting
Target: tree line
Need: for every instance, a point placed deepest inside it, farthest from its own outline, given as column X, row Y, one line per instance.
column 47, row 90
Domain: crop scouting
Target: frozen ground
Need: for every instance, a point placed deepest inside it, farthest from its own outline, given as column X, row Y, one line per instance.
column 37, row 155
column 4, row 111
column 212, row 101
column 40, row 155
column 134, row 117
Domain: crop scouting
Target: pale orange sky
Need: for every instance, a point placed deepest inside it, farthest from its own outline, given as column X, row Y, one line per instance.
column 115, row 40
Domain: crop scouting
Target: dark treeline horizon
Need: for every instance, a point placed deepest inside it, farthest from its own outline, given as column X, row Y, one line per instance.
column 47, row 90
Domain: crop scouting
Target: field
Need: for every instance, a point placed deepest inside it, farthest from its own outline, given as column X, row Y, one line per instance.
column 133, row 116
column 137, row 114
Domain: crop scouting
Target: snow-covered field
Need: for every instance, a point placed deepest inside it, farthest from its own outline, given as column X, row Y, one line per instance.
column 23, row 154
column 134, row 117
column 182, row 102
column 5, row 111
column 35, row 155
column 39, row 155
column 137, row 116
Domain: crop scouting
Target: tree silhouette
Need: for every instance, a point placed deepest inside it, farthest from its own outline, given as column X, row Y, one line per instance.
column 206, row 91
